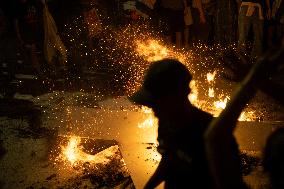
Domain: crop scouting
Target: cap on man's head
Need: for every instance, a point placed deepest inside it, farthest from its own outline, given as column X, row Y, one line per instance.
column 164, row 77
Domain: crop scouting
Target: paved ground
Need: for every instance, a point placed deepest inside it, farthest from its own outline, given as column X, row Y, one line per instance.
column 36, row 115
column 30, row 142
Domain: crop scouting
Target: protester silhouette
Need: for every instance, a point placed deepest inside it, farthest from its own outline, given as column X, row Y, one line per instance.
column 220, row 132
column 180, row 128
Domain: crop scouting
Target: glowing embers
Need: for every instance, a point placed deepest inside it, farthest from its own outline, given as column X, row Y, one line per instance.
column 193, row 96
column 204, row 93
column 153, row 50
column 221, row 104
column 97, row 161
column 77, row 152
column 211, row 76
column 210, row 80
column 248, row 116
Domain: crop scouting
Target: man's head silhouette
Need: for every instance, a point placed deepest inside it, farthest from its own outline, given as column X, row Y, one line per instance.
column 164, row 78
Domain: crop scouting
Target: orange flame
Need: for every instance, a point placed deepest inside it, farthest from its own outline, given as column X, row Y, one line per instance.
column 211, row 92
column 221, row 104
column 150, row 121
column 153, row 50
column 211, row 76
column 74, row 154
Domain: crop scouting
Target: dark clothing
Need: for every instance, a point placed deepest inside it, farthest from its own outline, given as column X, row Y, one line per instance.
column 29, row 16
column 6, row 7
column 254, row 21
column 176, row 20
column 172, row 15
column 200, row 31
column 174, row 5
column 280, row 11
column 210, row 7
column 172, row 20
column 182, row 147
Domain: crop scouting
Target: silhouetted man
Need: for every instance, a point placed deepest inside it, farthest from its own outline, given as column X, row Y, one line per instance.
column 181, row 126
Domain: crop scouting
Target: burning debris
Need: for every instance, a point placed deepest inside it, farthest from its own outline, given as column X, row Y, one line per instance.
column 96, row 159
column 78, row 163
column 75, row 153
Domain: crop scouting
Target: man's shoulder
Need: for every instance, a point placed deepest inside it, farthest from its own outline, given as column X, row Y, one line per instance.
column 200, row 114
column 200, row 119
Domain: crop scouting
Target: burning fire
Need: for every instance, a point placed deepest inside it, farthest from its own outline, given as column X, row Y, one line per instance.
column 221, row 104
column 151, row 120
column 211, row 92
column 248, row 116
column 193, row 96
column 74, row 154
column 152, row 50
column 211, row 76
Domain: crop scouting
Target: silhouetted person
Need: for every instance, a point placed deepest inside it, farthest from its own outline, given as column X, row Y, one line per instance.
column 218, row 135
column 180, row 128
column 28, row 26
column 273, row 158
column 251, row 16
column 173, row 15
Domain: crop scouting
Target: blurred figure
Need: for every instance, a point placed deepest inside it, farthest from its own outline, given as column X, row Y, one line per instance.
column 209, row 7
column 180, row 129
column 251, row 16
column 276, row 30
column 29, row 29
column 173, row 15
column 270, row 29
column 8, row 52
column 204, row 21
column 199, row 21
column 188, row 21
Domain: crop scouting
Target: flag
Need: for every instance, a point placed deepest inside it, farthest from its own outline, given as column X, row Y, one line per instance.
column 53, row 46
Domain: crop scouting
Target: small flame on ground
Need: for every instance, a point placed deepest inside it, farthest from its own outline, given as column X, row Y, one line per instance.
column 71, row 151
column 146, row 110
column 211, row 76
column 74, row 154
column 211, row 92
column 247, row 116
column 193, row 96
column 221, row 104
column 150, row 121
